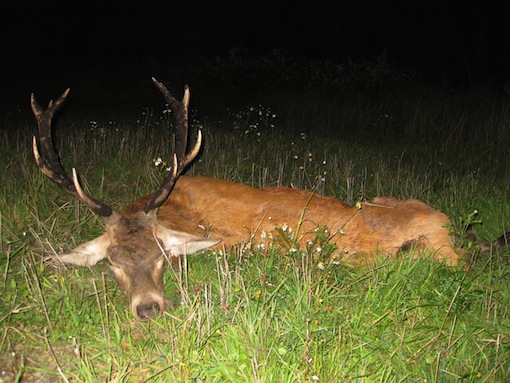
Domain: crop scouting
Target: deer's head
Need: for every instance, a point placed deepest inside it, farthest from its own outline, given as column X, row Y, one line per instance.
column 134, row 244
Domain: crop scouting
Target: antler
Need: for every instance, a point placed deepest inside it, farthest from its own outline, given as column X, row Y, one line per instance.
column 48, row 160
column 181, row 159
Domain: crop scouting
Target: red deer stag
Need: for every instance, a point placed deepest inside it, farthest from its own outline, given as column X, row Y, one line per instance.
column 198, row 207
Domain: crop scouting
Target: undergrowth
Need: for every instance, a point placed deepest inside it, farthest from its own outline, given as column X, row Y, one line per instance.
column 252, row 314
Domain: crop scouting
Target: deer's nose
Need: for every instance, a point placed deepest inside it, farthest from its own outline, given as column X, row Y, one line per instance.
column 148, row 310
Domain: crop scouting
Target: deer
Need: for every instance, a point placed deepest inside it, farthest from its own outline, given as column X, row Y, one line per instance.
column 187, row 214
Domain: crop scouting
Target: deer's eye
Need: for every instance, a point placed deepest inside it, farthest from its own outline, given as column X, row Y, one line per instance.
column 114, row 260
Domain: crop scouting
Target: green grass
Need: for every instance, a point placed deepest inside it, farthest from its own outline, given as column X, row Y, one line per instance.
column 253, row 316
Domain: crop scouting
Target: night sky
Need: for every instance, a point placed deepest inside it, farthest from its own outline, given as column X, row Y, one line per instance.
column 44, row 44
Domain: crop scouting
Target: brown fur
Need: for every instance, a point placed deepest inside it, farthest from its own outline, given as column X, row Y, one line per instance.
column 238, row 213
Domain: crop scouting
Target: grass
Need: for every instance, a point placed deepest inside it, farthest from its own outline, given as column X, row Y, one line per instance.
column 252, row 315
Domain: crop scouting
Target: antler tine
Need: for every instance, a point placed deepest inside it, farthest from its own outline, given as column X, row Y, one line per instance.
column 180, row 108
column 47, row 158
column 181, row 158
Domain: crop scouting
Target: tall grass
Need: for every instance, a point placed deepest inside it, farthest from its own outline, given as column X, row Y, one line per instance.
column 443, row 116
column 253, row 315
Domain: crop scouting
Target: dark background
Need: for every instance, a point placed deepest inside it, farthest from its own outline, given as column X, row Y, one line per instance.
column 111, row 48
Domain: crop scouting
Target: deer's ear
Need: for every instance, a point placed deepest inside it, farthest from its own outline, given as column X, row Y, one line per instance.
column 88, row 253
column 179, row 243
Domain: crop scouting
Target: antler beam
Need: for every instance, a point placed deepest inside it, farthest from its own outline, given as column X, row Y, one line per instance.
column 181, row 159
column 48, row 160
